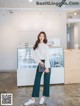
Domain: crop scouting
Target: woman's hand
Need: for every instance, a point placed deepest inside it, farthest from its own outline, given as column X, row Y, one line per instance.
column 42, row 64
column 46, row 70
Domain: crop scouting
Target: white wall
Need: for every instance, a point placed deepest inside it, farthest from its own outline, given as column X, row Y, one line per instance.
column 24, row 26
column 76, row 33
column 79, row 34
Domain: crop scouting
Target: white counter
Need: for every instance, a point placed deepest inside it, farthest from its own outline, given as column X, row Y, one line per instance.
column 27, row 67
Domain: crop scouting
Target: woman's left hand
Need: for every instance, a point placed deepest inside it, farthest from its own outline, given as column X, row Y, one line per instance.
column 46, row 70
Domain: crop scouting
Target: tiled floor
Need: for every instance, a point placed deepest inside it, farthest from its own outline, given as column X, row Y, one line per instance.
column 61, row 95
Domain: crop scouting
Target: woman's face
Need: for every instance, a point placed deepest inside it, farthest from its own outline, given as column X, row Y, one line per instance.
column 41, row 37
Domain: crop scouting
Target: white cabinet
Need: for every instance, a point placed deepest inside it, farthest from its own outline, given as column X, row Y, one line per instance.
column 27, row 67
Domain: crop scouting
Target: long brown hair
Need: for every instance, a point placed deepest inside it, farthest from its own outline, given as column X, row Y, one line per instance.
column 38, row 40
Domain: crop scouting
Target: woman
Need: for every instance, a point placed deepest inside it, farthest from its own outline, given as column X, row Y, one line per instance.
column 41, row 56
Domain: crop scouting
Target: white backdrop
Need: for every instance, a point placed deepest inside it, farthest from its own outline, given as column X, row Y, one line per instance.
column 24, row 26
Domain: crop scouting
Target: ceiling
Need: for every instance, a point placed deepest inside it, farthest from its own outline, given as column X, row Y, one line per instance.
column 25, row 4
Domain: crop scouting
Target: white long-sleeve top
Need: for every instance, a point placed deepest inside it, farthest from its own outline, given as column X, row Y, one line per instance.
column 42, row 53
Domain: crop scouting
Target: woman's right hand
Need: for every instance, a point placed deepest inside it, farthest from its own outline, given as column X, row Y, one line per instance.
column 42, row 64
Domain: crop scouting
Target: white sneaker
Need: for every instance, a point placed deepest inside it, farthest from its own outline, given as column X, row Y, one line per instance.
column 41, row 100
column 29, row 102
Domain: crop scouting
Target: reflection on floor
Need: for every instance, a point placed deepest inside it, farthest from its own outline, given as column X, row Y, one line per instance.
column 61, row 95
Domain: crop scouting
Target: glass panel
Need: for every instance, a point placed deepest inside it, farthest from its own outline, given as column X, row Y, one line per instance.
column 25, row 58
column 56, row 57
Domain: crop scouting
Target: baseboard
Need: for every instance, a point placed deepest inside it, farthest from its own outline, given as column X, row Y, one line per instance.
column 9, row 70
